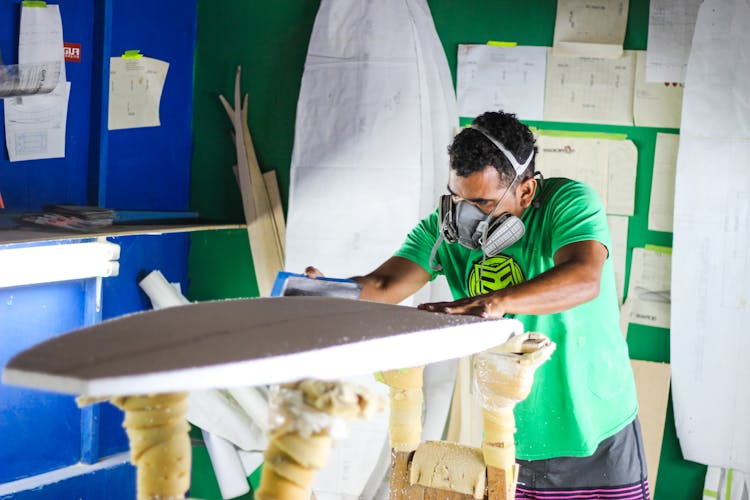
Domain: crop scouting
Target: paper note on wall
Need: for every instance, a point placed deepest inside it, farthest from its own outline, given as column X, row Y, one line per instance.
column 661, row 205
column 649, row 288
column 590, row 90
column 618, row 236
column 35, row 125
column 608, row 166
column 622, row 164
column 135, row 88
column 593, row 28
column 655, row 104
column 491, row 78
column 670, row 33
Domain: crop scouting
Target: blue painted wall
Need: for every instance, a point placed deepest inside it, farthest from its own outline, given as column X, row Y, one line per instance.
column 146, row 168
column 31, row 184
column 38, row 431
column 41, row 431
column 116, row 483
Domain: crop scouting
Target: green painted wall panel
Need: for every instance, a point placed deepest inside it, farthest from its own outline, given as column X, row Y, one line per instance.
column 269, row 40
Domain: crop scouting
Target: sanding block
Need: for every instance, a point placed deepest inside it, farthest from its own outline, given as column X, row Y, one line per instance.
column 292, row 284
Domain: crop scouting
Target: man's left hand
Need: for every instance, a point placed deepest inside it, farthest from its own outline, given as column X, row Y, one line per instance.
column 488, row 305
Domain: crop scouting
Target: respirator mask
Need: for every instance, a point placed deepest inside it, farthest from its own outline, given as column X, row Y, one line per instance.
column 465, row 224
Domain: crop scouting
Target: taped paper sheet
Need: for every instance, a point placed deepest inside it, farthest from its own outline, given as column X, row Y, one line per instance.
column 135, row 88
column 608, row 166
column 618, row 235
column 649, row 289
column 652, row 387
column 491, row 78
column 661, row 205
column 656, row 104
column 590, row 28
column 35, row 126
column 670, row 33
column 40, row 38
column 590, row 90
column 711, row 260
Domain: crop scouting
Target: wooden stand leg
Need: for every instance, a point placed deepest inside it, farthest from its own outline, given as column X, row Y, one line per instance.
column 500, row 453
column 159, row 443
column 504, row 377
column 291, row 463
column 400, row 489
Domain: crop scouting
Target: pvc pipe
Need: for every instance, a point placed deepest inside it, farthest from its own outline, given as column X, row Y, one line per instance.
column 161, row 292
column 227, row 466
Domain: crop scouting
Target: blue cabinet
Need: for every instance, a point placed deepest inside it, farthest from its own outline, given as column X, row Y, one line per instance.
column 50, row 447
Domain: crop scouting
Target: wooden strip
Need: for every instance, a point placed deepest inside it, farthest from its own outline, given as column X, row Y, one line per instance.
column 272, row 188
column 264, row 241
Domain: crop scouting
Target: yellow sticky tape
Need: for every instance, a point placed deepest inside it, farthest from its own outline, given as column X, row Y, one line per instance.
column 578, row 133
column 497, row 43
column 132, row 54
column 658, row 248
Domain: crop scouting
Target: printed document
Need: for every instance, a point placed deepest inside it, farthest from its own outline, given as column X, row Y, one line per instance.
column 670, row 32
column 35, row 125
column 590, row 90
column 135, row 88
column 508, row 78
column 649, row 288
column 655, row 104
column 661, row 205
column 608, row 166
column 592, row 28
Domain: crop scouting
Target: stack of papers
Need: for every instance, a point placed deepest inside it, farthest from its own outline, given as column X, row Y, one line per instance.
column 73, row 217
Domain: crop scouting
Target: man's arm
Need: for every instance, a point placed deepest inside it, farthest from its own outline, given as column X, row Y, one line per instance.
column 573, row 280
column 395, row 280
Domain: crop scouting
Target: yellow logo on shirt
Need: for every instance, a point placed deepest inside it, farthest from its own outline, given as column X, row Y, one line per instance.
column 497, row 273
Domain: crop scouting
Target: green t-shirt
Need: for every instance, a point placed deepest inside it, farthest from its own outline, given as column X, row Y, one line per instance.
column 586, row 392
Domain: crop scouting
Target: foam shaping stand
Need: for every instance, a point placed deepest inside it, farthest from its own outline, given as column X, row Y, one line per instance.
column 246, row 342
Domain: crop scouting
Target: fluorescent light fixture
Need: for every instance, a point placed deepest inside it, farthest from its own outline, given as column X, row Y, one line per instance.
column 58, row 262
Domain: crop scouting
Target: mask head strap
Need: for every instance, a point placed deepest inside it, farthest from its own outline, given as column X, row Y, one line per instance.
column 517, row 167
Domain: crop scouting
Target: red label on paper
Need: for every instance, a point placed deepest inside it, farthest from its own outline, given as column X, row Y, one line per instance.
column 72, row 51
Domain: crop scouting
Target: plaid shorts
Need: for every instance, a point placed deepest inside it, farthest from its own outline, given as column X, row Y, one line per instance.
column 616, row 471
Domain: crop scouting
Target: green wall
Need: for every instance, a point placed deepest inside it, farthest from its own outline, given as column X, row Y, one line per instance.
column 269, row 40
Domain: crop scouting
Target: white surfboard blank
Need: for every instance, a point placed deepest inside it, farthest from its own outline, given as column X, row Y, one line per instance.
column 248, row 342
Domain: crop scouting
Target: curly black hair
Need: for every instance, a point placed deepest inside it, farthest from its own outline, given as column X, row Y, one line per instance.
column 471, row 151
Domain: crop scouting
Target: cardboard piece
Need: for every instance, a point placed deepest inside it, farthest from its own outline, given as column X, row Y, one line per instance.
column 652, row 386
column 248, row 342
